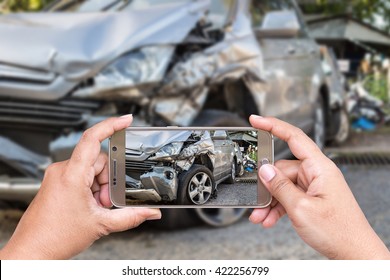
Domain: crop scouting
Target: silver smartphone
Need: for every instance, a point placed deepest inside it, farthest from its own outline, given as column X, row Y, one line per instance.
column 189, row 167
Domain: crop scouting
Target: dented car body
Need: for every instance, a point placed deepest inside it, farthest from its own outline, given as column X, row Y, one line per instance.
column 156, row 162
column 170, row 62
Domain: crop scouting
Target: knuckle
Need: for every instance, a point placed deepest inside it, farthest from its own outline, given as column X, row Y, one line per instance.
column 280, row 185
column 303, row 205
column 298, row 132
column 87, row 135
column 53, row 169
column 301, row 211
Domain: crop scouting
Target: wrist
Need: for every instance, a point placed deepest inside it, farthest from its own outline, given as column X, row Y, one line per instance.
column 21, row 251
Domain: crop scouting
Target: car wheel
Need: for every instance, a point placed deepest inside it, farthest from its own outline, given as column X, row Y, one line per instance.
column 220, row 217
column 343, row 132
column 232, row 177
column 319, row 123
column 195, row 186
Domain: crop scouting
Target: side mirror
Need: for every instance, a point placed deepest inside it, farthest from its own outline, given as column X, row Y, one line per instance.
column 284, row 24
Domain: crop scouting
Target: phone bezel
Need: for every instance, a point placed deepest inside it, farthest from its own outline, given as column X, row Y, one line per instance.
column 117, row 184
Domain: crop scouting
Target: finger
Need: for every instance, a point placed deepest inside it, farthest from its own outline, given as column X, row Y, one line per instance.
column 95, row 189
column 269, row 216
column 259, row 215
column 127, row 218
column 274, row 216
column 289, row 168
column 300, row 144
column 280, row 186
column 105, row 196
column 102, row 176
column 87, row 150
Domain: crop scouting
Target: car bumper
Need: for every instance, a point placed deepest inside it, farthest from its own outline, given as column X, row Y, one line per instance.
column 159, row 184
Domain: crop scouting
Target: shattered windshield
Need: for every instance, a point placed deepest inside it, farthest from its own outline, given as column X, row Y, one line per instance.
column 104, row 5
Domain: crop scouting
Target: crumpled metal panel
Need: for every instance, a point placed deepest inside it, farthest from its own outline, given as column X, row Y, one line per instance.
column 76, row 44
column 237, row 56
column 181, row 109
column 225, row 60
column 149, row 142
column 21, row 159
column 166, row 186
column 205, row 146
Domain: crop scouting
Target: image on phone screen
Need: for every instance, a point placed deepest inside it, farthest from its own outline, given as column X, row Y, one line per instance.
column 213, row 167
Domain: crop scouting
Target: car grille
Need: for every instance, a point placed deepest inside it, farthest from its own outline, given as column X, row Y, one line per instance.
column 13, row 74
column 142, row 166
column 65, row 113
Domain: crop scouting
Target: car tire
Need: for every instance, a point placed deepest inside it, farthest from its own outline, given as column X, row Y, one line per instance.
column 195, row 186
column 319, row 129
column 233, row 172
column 344, row 129
column 220, row 217
column 240, row 170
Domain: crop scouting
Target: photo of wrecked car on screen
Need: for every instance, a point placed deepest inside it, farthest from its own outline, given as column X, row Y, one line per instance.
column 191, row 167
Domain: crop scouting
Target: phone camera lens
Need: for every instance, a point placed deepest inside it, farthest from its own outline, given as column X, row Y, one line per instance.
column 114, row 149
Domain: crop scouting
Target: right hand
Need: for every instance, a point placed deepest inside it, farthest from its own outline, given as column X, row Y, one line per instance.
column 317, row 199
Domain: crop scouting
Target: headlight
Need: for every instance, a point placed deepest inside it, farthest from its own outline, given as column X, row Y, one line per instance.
column 172, row 149
column 144, row 65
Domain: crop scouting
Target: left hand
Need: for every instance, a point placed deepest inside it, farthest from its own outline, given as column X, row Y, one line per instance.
column 70, row 210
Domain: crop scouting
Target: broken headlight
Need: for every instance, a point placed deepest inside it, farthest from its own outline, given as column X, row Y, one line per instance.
column 145, row 65
column 172, row 149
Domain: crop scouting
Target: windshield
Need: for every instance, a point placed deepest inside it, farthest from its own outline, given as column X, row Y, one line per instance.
column 104, row 5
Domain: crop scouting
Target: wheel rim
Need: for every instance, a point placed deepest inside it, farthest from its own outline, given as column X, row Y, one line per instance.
column 343, row 132
column 319, row 127
column 220, row 217
column 200, row 188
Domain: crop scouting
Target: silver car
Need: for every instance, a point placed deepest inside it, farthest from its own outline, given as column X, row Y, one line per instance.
column 184, row 167
column 170, row 62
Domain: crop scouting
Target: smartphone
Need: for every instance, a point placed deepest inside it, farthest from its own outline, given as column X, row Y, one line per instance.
column 189, row 167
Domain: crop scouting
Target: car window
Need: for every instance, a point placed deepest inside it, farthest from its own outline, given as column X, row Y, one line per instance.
column 261, row 7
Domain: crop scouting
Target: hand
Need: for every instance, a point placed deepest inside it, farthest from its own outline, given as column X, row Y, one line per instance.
column 68, row 214
column 315, row 196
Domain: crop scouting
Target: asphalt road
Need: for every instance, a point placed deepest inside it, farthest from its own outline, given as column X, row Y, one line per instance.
column 242, row 192
column 240, row 241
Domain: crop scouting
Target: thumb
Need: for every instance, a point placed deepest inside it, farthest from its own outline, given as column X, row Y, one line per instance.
column 126, row 218
column 280, row 186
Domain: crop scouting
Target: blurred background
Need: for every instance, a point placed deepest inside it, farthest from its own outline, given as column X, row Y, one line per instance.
column 323, row 66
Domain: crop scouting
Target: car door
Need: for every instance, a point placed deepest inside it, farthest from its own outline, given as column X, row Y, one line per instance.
column 222, row 166
column 287, row 95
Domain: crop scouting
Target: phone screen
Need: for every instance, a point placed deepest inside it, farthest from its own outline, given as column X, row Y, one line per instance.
column 192, row 167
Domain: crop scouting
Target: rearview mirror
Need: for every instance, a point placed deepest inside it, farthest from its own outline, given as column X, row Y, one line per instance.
column 280, row 24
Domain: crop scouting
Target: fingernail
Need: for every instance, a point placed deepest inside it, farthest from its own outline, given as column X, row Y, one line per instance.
column 155, row 216
column 257, row 117
column 267, row 172
column 126, row 116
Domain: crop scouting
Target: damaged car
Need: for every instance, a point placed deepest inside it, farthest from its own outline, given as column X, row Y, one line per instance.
column 184, row 167
column 168, row 62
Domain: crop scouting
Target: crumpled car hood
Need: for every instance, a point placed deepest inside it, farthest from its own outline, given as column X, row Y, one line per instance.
column 151, row 141
column 80, row 44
